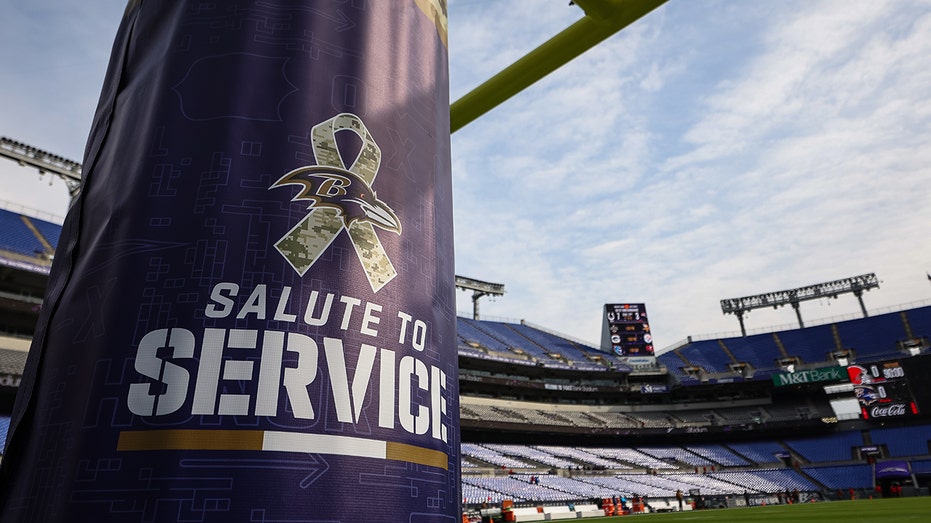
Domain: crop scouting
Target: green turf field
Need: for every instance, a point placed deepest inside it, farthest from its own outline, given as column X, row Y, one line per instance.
column 867, row 511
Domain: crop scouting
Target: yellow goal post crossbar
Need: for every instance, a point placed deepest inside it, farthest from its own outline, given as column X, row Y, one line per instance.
column 602, row 19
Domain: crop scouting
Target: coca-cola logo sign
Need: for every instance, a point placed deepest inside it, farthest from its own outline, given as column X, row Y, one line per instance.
column 886, row 411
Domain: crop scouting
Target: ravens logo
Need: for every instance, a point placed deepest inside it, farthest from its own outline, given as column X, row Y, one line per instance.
column 326, row 186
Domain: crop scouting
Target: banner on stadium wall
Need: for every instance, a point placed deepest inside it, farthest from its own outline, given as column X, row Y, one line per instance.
column 892, row 469
column 835, row 373
column 251, row 316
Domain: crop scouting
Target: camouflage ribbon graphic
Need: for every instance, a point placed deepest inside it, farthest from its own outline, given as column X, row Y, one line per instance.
column 333, row 188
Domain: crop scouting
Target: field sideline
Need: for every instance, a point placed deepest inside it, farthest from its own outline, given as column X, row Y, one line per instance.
column 867, row 511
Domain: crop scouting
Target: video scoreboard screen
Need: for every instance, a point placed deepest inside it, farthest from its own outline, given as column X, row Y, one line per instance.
column 882, row 390
column 626, row 330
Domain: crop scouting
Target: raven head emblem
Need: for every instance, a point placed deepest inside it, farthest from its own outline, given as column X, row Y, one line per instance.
column 326, row 186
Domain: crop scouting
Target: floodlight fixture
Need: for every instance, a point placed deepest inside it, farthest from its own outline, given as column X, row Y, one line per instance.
column 479, row 289
column 855, row 285
column 45, row 162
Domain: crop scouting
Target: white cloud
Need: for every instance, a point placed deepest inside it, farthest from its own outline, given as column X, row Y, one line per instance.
column 801, row 162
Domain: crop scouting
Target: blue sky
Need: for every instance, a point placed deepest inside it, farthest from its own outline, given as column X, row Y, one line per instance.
column 711, row 150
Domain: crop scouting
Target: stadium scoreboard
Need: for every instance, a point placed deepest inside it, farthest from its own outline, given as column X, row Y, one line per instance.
column 626, row 331
column 883, row 390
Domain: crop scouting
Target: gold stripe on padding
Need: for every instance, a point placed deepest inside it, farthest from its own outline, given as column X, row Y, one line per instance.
column 190, row 440
column 419, row 455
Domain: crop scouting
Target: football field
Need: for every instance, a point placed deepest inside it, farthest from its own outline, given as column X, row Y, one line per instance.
column 867, row 511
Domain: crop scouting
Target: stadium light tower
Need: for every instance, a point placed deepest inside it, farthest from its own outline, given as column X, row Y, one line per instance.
column 855, row 285
column 45, row 162
column 479, row 289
